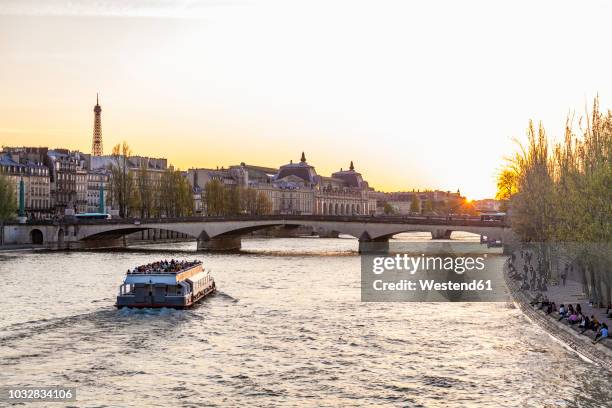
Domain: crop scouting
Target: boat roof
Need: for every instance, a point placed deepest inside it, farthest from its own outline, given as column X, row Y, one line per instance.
column 197, row 277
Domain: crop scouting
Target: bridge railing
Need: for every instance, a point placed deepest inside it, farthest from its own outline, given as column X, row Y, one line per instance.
column 386, row 219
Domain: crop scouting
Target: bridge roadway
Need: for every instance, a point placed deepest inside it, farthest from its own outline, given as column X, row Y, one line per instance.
column 223, row 233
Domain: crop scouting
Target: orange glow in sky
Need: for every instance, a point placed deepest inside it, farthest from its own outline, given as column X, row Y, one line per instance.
column 417, row 94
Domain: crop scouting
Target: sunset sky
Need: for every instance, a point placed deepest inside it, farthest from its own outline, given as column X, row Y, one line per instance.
column 417, row 94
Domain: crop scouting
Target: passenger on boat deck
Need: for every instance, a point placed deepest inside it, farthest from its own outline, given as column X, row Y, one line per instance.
column 164, row 266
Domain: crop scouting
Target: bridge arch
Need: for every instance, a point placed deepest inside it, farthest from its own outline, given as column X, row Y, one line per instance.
column 248, row 229
column 36, row 237
column 115, row 232
column 434, row 229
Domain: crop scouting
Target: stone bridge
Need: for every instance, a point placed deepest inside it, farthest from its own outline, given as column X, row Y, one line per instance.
column 224, row 233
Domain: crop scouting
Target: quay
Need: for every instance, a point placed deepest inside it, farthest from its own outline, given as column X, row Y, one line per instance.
column 600, row 353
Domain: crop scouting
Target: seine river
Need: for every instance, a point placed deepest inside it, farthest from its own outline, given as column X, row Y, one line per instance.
column 286, row 328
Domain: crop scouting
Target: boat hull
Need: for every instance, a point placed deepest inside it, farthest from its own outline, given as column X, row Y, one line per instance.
column 129, row 301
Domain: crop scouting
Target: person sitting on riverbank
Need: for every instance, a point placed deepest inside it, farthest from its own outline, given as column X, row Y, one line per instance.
column 602, row 333
column 574, row 318
column 562, row 312
column 544, row 303
column 551, row 307
column 585, row 323
column 537, row 299
column 609, row 310
column 568, row 312
column 594, row 324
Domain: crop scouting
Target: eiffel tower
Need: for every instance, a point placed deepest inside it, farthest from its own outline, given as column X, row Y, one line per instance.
column 96, row 146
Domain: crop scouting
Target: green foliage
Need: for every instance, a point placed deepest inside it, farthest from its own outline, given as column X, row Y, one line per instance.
column 8, row 199
column 388, row 209
column 122, row 181
column 146, row 193
column 427, row 207
column 563, row 195
column 263, row 205
column 215, row 198
column 506, row 184
column 175, row 196
column 415, row 204
column 233, row 200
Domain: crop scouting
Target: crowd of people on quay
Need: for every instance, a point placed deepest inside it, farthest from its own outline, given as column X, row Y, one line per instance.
column 165, row 266
column 534, row 279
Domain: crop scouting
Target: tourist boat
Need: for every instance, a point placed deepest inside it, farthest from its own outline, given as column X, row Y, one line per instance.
column 174, row 284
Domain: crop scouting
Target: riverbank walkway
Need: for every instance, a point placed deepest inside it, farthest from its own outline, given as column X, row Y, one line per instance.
column 570, row 293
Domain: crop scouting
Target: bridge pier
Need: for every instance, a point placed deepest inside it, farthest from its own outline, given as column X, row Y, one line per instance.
column 374, row 247
column 368, row 245
column 326, row 233
column 441, row 234
column 229, row 243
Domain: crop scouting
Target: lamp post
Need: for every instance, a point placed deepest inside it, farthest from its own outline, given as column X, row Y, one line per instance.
column 101, row 206
column 22, row 216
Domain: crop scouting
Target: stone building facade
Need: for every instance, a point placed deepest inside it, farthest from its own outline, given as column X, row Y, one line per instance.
column 294, row 188
column 430, row 202
column 96, row 179
column 35, row 176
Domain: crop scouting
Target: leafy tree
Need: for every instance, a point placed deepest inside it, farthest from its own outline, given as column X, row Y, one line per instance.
column 263, row 204
column 122, row 180
column 8, row 203
column 215, row 198
column 249, row 201
column 562, row 194
column 175, row 196
column 506, row 184
column 146, row 192
column 232, row 205
column 415, row 204
column 388, row 209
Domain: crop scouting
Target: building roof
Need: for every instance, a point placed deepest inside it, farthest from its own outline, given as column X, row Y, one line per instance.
column 302, row 170
column 350, row 177
column 7, row 160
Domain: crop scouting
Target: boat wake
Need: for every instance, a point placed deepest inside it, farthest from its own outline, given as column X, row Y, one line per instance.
column 226, row 296
column 23, row 330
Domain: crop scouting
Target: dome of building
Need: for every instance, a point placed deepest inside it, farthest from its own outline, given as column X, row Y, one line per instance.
column 302, row 170
column 350, row 177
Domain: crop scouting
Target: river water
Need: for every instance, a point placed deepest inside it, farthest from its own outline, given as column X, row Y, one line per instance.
column 286, row 328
